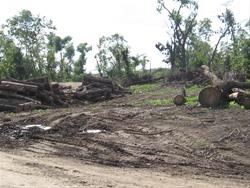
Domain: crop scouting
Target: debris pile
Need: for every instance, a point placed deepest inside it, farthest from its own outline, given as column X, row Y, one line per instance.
column 22, row 95
column 220, row 92
column 224, row 91
column 39, row 93
column 98, row 88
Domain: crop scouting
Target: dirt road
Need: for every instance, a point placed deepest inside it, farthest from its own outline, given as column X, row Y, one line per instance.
column 27, row 169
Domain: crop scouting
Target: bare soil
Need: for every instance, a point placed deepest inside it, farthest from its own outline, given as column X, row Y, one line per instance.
column 118, row 144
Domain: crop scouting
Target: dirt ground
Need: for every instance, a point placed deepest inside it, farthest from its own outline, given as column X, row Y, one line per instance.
column 119, row 144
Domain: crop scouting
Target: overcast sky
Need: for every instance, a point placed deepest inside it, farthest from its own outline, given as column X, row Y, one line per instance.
column 137, row 20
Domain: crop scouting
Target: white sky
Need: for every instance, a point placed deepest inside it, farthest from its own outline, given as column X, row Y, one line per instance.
column 137, row 20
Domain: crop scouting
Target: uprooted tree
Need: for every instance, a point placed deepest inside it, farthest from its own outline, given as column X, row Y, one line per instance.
column 223, row 91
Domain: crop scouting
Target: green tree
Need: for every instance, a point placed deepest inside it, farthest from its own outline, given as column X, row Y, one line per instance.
column 29, row 33
column 181, row 23
column 78, row 71
column 228, row 21
column 12, row 62
column 113, row 57
column 65, row 50
column 52, row 64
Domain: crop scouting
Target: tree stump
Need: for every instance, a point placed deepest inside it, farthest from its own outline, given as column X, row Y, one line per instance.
column 180, row 98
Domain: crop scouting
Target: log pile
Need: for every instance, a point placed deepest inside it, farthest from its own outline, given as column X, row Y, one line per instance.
column 223, row 91
column 22, row 95
column 98, row 89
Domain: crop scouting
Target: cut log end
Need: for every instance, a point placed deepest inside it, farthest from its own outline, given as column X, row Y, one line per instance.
column 242, row 98
column 179, row 100
column 210, row 97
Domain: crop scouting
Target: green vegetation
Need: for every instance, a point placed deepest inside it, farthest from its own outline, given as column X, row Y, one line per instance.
column 189, row 39
column 192, row 100
column 159, row 102
column 114, row 59
column 193, row 90
column 144, row 88
column 234, row 105
column 29, row 47
column 200, row 144
column 161, row 96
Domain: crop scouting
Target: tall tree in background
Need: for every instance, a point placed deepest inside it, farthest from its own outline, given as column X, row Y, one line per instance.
column 114, row 59
column 199, row 49
column 65, row 50
column 78, row 71
column 113, row 56
column 229, row 24
column 29, row 33
column 12, row 62
column 181, row 23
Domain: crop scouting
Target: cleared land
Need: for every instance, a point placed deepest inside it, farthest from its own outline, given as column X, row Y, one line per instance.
column 141, row 140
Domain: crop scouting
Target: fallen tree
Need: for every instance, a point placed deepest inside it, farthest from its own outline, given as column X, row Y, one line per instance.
column 222, row 91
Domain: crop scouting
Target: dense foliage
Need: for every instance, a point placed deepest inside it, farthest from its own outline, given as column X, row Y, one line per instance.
column 114, row 59
column 29, row 47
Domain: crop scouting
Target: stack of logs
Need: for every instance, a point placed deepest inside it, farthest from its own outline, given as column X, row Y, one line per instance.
column 98, row 88
column 22, row 95
column 39, row 93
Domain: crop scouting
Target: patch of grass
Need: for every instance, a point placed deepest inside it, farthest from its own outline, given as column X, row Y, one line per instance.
column 200, row 144
column 167, row 90
column 145, row 88
column 156, row 88
column 234, row 105
column 192, row 100
column 159, row 102
column 193, row 90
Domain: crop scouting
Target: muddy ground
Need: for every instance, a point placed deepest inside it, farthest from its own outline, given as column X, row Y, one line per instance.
column 178, row 141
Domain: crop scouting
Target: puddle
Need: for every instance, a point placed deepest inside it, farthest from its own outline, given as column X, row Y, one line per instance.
column 44, row 128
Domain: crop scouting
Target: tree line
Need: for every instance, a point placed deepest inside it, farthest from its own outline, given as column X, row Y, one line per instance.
column 189, row 40
column 29, row 47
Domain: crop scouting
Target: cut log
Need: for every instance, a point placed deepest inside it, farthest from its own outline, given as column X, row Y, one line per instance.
column 5, row 107
column 91, row 79
column 242, row 98
column 94, row 95
column 29, row 106
column 180, row 98
column 40, row 85
column 8, row 94
column 210, row 97
column 221, row 90
column 20, row 87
